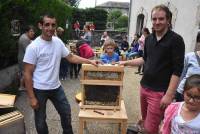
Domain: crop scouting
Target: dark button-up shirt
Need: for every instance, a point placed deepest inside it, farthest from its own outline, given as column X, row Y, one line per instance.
column 163, row 59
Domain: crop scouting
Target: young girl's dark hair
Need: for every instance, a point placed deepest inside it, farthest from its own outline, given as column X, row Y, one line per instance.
column 191, row 82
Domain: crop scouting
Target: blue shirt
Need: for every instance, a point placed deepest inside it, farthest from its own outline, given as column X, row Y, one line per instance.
column 191, row 67
column 105, row 58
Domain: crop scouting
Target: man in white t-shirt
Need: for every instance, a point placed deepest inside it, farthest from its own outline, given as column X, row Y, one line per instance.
column 41, row 72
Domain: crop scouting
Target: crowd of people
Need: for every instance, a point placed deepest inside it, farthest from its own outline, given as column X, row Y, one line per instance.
column 168, row 74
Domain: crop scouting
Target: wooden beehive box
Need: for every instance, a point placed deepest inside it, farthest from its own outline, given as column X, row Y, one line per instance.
column 11, row 121
column 102, row 86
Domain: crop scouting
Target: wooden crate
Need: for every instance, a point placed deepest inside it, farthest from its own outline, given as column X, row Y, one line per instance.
column 108, row 116
column 11, row 122
column 102, row 86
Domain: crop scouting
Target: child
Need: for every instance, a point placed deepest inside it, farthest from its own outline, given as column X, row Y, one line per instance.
column 133, row 51
column 184, row 117
column 109, row 57
column 84, row 50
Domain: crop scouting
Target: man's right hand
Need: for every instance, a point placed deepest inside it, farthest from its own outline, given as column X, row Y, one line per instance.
column 122, row 62
column 34, row 103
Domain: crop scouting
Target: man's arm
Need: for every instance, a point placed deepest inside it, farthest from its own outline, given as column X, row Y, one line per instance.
column 28, row 75
column 77, row 59
column 134, row 62
column 170, row 94
column 178, row 52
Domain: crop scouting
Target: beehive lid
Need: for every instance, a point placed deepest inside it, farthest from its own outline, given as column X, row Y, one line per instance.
column 6, row 100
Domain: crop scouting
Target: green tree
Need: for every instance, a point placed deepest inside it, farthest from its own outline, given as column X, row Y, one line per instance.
column 122, row 22
column 114, row 15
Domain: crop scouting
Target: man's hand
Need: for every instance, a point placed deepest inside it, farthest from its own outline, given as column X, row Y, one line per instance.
column 166, row 100
column 34, row 103
column 94, row 62
column 122, row 62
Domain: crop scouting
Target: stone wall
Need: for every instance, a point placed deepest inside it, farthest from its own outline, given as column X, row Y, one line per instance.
column 7, row 75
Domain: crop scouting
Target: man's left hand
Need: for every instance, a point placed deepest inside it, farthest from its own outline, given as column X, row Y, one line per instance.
column 165, row 101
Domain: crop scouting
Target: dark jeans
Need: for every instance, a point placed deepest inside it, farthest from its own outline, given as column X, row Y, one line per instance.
column 63, row 68
column 73, row 70
column 60, row 102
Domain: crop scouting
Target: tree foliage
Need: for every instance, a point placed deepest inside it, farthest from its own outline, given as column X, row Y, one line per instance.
column 120, row 21
column 114, row 15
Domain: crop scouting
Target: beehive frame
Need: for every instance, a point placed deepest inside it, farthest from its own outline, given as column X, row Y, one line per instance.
column 110, row 76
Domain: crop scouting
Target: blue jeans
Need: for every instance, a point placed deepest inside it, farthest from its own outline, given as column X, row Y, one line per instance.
column 60, row 102
column 63, row 68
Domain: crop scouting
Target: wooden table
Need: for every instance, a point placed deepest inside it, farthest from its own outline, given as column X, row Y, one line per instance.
column 108, row 116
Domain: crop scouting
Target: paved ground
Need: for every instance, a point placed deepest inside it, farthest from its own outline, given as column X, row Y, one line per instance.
column 72, row 86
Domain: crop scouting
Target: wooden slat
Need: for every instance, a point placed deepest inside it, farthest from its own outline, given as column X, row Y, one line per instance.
column 83, row 106
column 102, row 82
column 108, row 68
column 108, row 114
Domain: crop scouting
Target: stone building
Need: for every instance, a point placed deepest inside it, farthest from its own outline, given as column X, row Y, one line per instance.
column 111, row 5
column 185, row 18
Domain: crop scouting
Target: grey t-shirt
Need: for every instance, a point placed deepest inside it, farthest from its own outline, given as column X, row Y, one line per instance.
column 88, row 37
column 23, row 42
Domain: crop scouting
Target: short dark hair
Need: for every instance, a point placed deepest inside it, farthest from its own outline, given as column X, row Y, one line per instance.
column 165, row 9
column 29, row 27
column 49, row 15
column 191, row 82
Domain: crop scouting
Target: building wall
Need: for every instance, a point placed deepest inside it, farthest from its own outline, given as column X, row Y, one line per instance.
column 185, row 20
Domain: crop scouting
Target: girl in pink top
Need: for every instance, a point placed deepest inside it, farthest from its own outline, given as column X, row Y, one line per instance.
column 184, row 117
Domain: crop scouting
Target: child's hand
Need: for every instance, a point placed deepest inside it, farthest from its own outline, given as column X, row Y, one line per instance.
column 113, row 63
column 99, row 62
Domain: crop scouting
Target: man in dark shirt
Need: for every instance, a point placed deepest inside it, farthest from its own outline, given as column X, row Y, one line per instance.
column 164, row 59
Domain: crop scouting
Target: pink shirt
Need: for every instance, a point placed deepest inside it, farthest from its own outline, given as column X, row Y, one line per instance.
column 170, row 112
column 141, row 42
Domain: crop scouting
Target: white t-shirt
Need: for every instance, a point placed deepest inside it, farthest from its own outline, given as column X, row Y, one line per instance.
column 46, row 56
column 180, row 126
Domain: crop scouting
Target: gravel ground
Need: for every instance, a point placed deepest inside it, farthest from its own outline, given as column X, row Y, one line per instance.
column 72, row 86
